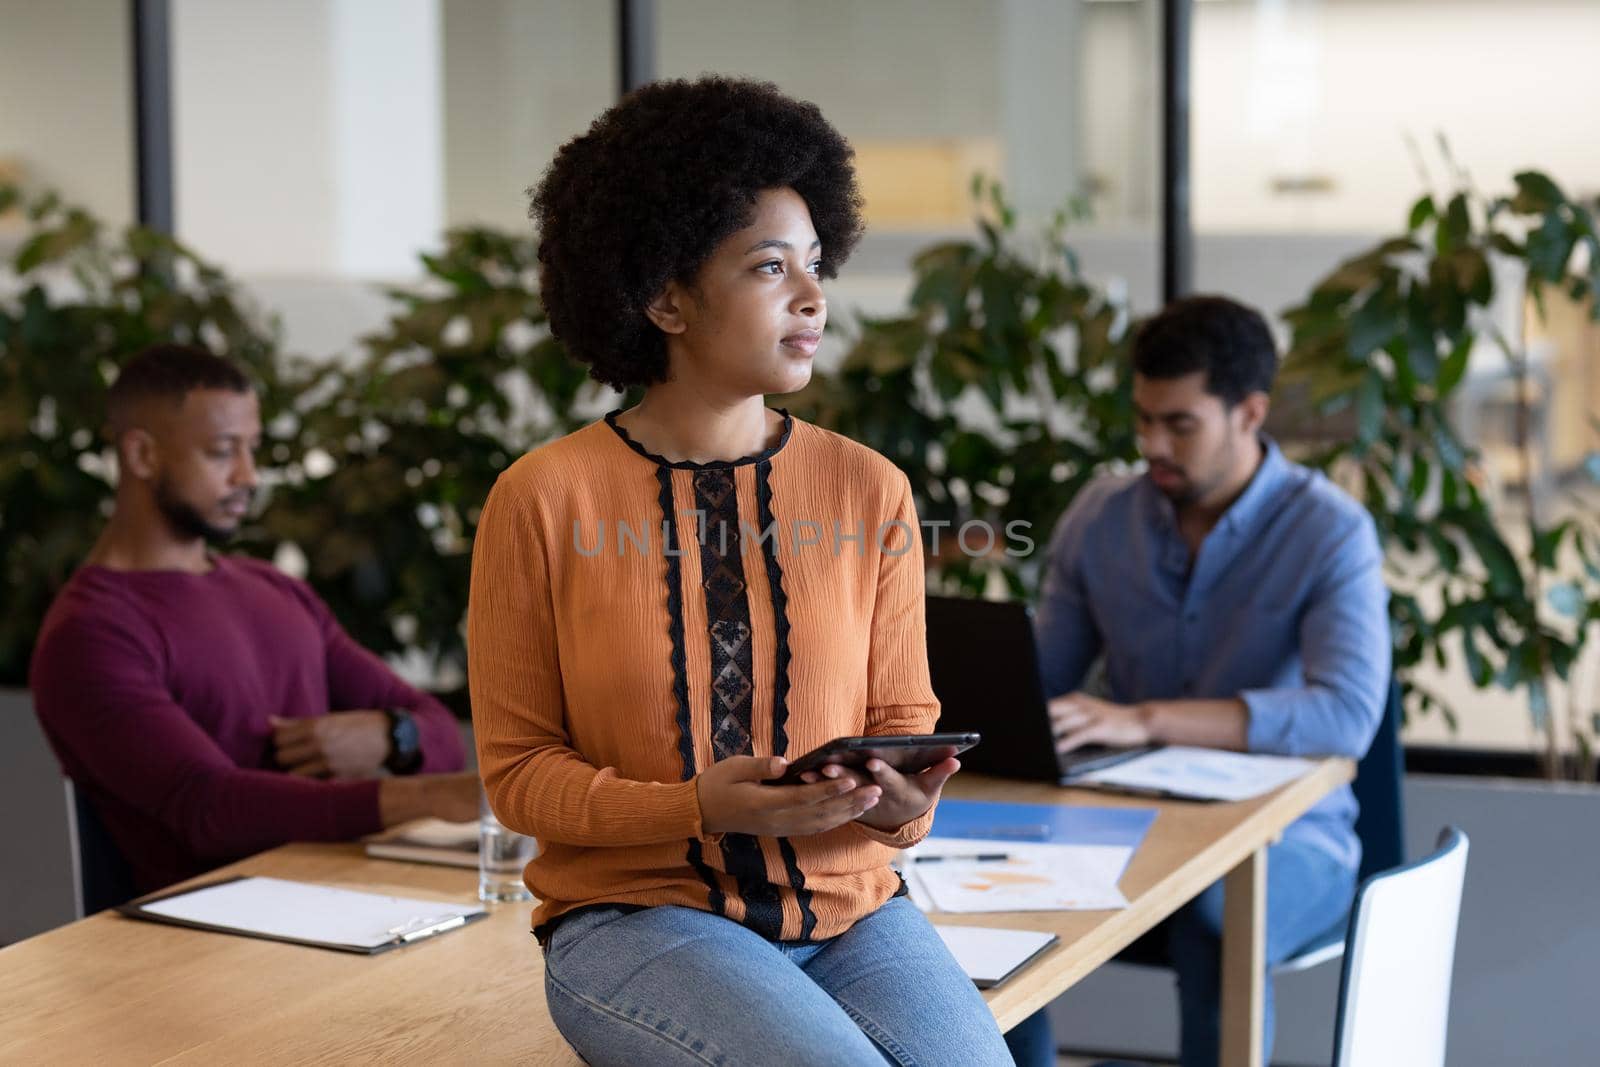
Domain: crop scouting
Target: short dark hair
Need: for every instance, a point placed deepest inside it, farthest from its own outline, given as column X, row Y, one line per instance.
column 645, row 196
column 169, row 372
column 1227, row 341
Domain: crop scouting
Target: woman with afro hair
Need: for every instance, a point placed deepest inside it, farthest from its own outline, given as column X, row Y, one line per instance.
column 671, row 603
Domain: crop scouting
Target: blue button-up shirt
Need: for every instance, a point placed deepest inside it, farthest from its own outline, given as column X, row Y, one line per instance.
column 1283, row 607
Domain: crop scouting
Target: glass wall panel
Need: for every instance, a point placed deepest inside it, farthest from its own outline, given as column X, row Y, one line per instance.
column 66, row 103
column 1318, row 123
column 322, row 144
column 1056, row 99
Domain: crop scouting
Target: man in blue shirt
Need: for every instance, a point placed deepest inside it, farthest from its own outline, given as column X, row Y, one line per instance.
column 1238, row 601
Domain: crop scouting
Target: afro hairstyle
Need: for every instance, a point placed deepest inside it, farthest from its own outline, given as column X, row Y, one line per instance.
column 646, row 195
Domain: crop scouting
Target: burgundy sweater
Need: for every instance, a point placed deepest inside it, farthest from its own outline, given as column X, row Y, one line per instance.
column 155, row 689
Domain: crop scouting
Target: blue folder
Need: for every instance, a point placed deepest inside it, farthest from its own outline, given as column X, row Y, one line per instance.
column 1057, row 824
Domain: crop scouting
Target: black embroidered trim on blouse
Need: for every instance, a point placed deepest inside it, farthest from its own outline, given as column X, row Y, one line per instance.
column 797, row 882
column 728, row 630
column 780, row 676
column 714, row 465
column 680, row 681
column 780, row 612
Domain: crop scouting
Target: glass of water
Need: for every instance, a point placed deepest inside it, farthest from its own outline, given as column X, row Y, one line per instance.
column 502, row 854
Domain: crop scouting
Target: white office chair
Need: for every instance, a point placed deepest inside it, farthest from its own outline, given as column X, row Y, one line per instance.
column 1394, row 994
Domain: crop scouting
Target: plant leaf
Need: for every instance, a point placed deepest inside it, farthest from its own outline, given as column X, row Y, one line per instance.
column 1547, row 542
column 1550, row 247
column 1477, row 667
column 1505, row 577
column 1377, row 320
column 1455, row 226
column 1369, row 409
column 1421, row 212
column 1454, row 366
column 1536, row 193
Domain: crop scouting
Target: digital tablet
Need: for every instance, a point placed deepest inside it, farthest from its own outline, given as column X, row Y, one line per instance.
column 906, row 753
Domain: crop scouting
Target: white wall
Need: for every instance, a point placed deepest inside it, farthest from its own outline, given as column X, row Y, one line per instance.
column 520, row 78
column 66, row 100
column 1298, row 88
column 1122, row 85
column 306, row 134
column 892, row 69
column 1043, row 95
column 253, row 151
column 387, row 133
column 1332, row 89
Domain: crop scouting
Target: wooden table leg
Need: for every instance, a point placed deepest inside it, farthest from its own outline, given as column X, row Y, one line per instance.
column 1244, row 941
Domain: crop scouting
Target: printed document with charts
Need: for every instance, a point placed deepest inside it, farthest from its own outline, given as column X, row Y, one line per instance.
column 1038, row 857
column 1199, row 774
column 941, row 876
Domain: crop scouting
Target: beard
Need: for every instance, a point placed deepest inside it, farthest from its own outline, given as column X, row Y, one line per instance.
column 186, row 520
column 1183, row 492
column 1203, row 478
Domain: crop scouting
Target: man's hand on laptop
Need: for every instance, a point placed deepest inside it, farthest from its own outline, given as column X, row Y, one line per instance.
column 1079, row 719
column 341, row 744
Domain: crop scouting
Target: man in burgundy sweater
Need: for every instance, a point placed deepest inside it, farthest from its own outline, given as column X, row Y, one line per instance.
column 210, row 706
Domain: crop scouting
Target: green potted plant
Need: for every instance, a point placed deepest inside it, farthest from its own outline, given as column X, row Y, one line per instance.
column 394, row 456
column 1389, row 335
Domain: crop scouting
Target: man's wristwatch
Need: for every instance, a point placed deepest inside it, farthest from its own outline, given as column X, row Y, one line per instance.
column 405, row 743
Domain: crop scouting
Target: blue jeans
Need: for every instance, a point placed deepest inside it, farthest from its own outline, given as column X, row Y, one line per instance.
column 671, row 985
column 1307, row 891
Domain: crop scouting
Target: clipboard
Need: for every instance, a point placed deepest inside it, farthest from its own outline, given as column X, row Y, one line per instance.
column 302, row 913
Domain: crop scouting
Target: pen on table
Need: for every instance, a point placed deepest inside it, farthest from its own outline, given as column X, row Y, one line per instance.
column 419, row 928
column 981, row 857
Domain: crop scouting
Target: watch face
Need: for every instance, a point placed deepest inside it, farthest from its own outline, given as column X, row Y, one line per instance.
column 405, row 735
column 404, row 742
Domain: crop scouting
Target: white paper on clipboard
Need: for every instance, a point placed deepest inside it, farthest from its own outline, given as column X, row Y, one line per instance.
column 311, row 914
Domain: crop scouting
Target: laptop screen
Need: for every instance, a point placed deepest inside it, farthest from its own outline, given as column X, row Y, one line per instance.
column 986, row 675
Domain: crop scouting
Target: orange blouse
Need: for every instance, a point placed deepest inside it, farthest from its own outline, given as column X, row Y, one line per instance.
column 633, row 620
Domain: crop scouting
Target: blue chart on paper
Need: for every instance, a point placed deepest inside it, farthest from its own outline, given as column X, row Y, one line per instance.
column 1055, row 824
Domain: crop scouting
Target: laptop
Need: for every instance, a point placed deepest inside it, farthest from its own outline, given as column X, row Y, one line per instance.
column 986, row 676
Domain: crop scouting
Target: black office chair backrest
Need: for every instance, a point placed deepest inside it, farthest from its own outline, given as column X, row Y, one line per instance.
column 105, row 879
column 1380, row 778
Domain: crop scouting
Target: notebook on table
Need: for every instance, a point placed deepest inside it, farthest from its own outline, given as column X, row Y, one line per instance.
column 453, row 844
column 991, row 954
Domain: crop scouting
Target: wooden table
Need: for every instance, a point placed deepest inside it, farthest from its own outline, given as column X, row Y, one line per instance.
column 109, row 990
column 1189, row 846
